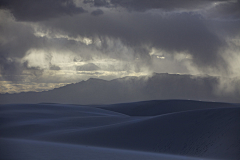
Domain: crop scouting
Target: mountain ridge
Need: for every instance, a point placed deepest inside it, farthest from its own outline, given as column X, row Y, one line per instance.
column 128, row 89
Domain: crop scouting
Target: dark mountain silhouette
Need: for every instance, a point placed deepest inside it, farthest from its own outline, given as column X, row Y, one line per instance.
column 128, row 89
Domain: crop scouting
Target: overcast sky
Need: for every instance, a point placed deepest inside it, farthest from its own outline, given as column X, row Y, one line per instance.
column 49, row 43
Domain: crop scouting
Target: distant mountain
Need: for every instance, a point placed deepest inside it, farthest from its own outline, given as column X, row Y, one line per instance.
column 128, row 89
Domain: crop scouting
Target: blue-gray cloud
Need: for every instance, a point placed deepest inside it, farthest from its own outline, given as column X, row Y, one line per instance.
column 126, row 31
column 97, row 12
column 28, row 10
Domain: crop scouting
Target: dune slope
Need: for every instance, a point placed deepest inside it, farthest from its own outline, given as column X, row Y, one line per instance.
column 158, row 107
column 188, row 128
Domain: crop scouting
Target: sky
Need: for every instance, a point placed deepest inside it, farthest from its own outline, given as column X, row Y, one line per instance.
column 50, row 43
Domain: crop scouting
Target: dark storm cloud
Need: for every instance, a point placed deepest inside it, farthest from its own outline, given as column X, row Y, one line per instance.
column 87, row 67
column 9, row 68
column 12, row 70
column 16, row 40
column 97, row 3
column 173, row 33
column 178, row 32
column 189, row 32
column 228, row 10
column 227, row 27
column 143, row 5
column 97, row 12
column 223, row 9
column 30, row 10
column 54, row 67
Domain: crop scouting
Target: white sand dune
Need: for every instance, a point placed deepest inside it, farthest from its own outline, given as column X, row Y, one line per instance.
column 156, row 107
column 172, row 129
column 37, row 150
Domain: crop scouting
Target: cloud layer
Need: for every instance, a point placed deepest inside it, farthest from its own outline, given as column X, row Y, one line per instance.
column 68, row 41
column 28, row 10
